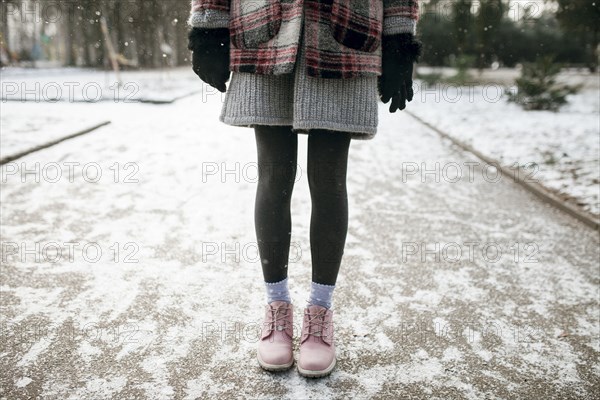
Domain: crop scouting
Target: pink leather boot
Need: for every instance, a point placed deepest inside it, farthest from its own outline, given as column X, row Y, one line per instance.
column 275, row 346
column 317, row 347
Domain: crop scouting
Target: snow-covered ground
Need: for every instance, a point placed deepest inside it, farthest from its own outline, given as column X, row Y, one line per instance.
column 25, row 96
column 85, row 85
column 562, row 150
column 169, row 306
column 25, row 125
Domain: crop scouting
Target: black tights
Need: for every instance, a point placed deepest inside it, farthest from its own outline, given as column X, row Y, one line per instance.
column 327, row 162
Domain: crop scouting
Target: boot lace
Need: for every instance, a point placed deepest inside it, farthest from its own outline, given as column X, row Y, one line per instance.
column 317, row 321
column 278, row 314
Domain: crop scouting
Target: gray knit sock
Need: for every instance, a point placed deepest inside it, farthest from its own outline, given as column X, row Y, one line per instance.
column 321, row 294
column 278, row 291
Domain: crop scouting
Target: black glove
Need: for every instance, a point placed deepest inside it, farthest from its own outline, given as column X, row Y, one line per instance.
column 399, row 52
column 210, row 60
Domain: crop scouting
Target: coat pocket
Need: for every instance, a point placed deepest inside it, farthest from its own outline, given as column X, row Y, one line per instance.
column 357, row 24
column 254, row 22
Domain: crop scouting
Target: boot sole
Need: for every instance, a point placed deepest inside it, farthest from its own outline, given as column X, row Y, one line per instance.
column 273, row 367
column 317, row 374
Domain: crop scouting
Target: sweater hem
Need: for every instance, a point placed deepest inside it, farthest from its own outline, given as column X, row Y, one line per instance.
column 394, row 24
column 359, row 132
column 356, row 131
column 249, row 121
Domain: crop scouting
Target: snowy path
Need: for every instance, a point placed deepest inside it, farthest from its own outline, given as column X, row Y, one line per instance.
column 514, row 316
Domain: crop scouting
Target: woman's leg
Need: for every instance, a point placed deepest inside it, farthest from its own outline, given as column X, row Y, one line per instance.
column 277, row 148
column 327, row 164
column 277, row 152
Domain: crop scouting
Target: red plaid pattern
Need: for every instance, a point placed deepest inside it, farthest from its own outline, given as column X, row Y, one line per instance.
column 254, row 25
column 199, row 5
column 402, row 8
column 342, row 37
column 354, row 30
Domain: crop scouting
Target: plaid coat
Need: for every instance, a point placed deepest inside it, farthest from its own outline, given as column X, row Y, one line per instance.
column 341, row 37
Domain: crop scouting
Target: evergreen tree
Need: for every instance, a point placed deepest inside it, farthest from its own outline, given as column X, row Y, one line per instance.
column 487, row 25
column 463, row 23
column 537, row 88
column 582, row 18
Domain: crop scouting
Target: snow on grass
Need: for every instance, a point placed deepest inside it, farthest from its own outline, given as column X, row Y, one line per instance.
column 87, row 85
column 39, row 106
column 27, row 125
column 563, row 148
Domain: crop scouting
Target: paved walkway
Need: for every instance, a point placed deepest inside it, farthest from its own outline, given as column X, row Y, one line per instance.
column 450, row 288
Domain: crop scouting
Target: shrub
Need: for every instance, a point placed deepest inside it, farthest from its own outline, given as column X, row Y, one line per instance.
column 537, row 88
